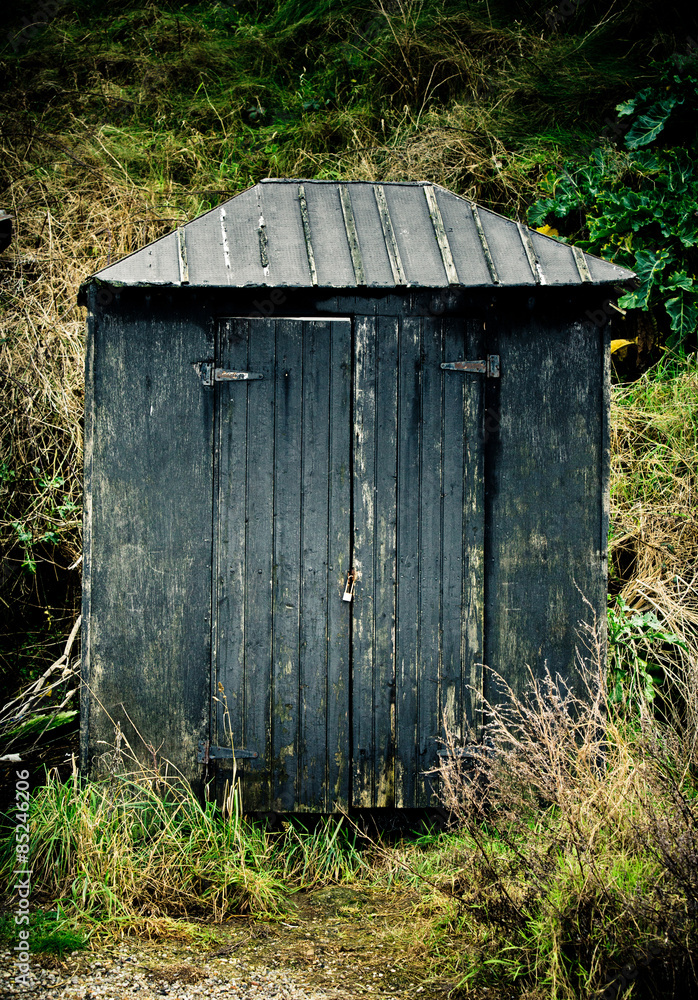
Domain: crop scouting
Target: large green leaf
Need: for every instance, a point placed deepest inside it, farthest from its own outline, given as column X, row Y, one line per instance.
column 648, row 126
column 649, row 265
column 683, row 313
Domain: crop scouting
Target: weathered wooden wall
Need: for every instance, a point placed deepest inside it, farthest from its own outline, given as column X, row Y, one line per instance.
column 150, row 496
column 147, row 572
column 546, row 490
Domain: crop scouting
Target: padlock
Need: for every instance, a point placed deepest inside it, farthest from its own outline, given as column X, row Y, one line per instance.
column 349, row 589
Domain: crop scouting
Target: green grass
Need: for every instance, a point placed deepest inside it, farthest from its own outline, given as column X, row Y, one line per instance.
column 572, row 856
column 50, row 932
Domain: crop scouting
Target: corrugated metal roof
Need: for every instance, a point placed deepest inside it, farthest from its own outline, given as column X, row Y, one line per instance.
column 330, row 234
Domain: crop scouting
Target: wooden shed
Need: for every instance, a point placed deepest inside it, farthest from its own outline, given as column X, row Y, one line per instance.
column 345, row 443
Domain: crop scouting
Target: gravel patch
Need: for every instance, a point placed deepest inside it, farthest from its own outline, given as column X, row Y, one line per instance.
column 135, row 977
column 154, row 974
column 335, row 943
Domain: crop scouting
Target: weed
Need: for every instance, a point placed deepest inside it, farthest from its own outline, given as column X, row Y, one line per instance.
column 584, row 838
column 654, row 532
column 326, row 854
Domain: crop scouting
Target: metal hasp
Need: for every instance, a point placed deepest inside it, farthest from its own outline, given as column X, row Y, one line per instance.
column 490, row 367
column 209, row 374
column 207, row 753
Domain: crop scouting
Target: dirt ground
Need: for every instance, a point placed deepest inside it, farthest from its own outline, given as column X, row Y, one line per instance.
column 331, row 943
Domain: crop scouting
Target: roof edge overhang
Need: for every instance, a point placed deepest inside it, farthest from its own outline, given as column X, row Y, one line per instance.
column 110, row 287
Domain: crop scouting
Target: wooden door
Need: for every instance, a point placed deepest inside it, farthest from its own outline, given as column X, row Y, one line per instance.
column 281, row 629
column 364, row 456
column 418, row 506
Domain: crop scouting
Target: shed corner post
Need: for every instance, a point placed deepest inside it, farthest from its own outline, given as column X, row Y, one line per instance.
column 91, row 328
column 602, row 623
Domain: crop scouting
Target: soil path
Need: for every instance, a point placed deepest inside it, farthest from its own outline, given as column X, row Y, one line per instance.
column 332, row 944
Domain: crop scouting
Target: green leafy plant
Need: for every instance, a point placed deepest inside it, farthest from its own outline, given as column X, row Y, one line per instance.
column 640, row 207
column 635, row 670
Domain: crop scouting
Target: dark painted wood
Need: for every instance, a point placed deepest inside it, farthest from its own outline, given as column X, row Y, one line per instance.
column 545, row 491
column 339, row 553
column 284, row 515
column 315, row 456
column 363, row 631
column 259, row 569
column 430, row 556
column 287, row 561
column 384, row 558
column 454, row 498
column 531, row 448
column 147, row 658
column 407, row 654
column 478, row 424
column 230, row 622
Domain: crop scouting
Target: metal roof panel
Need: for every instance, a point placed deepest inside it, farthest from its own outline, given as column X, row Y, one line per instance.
column 281, row 231
column 508, row 252
column 556, row 260
column 463, row 239
column 377, row 270
column 205, row 257
column 414, row 235
column 241, row 224
column 604, row 270
column 328, row 236
column 300, row 233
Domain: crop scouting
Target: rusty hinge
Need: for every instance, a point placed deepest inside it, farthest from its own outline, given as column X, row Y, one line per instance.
column 207, row 753
column 209, row 374
column 489, row 367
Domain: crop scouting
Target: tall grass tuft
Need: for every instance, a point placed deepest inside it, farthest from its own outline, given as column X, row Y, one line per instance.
column 579, row 842
column 137, row 845
column 326, row 854
column 654, row 528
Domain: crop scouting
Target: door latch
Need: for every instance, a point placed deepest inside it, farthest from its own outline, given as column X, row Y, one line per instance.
column 489, row 367
column 349, row 589
column 208, row 373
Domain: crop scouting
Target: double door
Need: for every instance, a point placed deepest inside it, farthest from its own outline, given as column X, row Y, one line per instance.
column 349, row 464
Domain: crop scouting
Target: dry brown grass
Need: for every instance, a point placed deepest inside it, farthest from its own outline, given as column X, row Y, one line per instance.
column 71, row 216
column 583, row 834
column 654, row 499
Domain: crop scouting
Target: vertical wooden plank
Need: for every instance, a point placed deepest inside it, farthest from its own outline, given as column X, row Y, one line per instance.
column 287, row 560
column 259, row 565
column 409, row 434
column 385, row 449
column 429, row 725
column 362, row 707
column 453, row 638
column 339, row 556
column 231, row 423
column 315, row 416
column 477, row 426
column 150, row 629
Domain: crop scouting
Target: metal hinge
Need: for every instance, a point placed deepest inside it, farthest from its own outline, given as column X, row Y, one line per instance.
column 207, row 753
column 489, row 367
column 209, row 374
